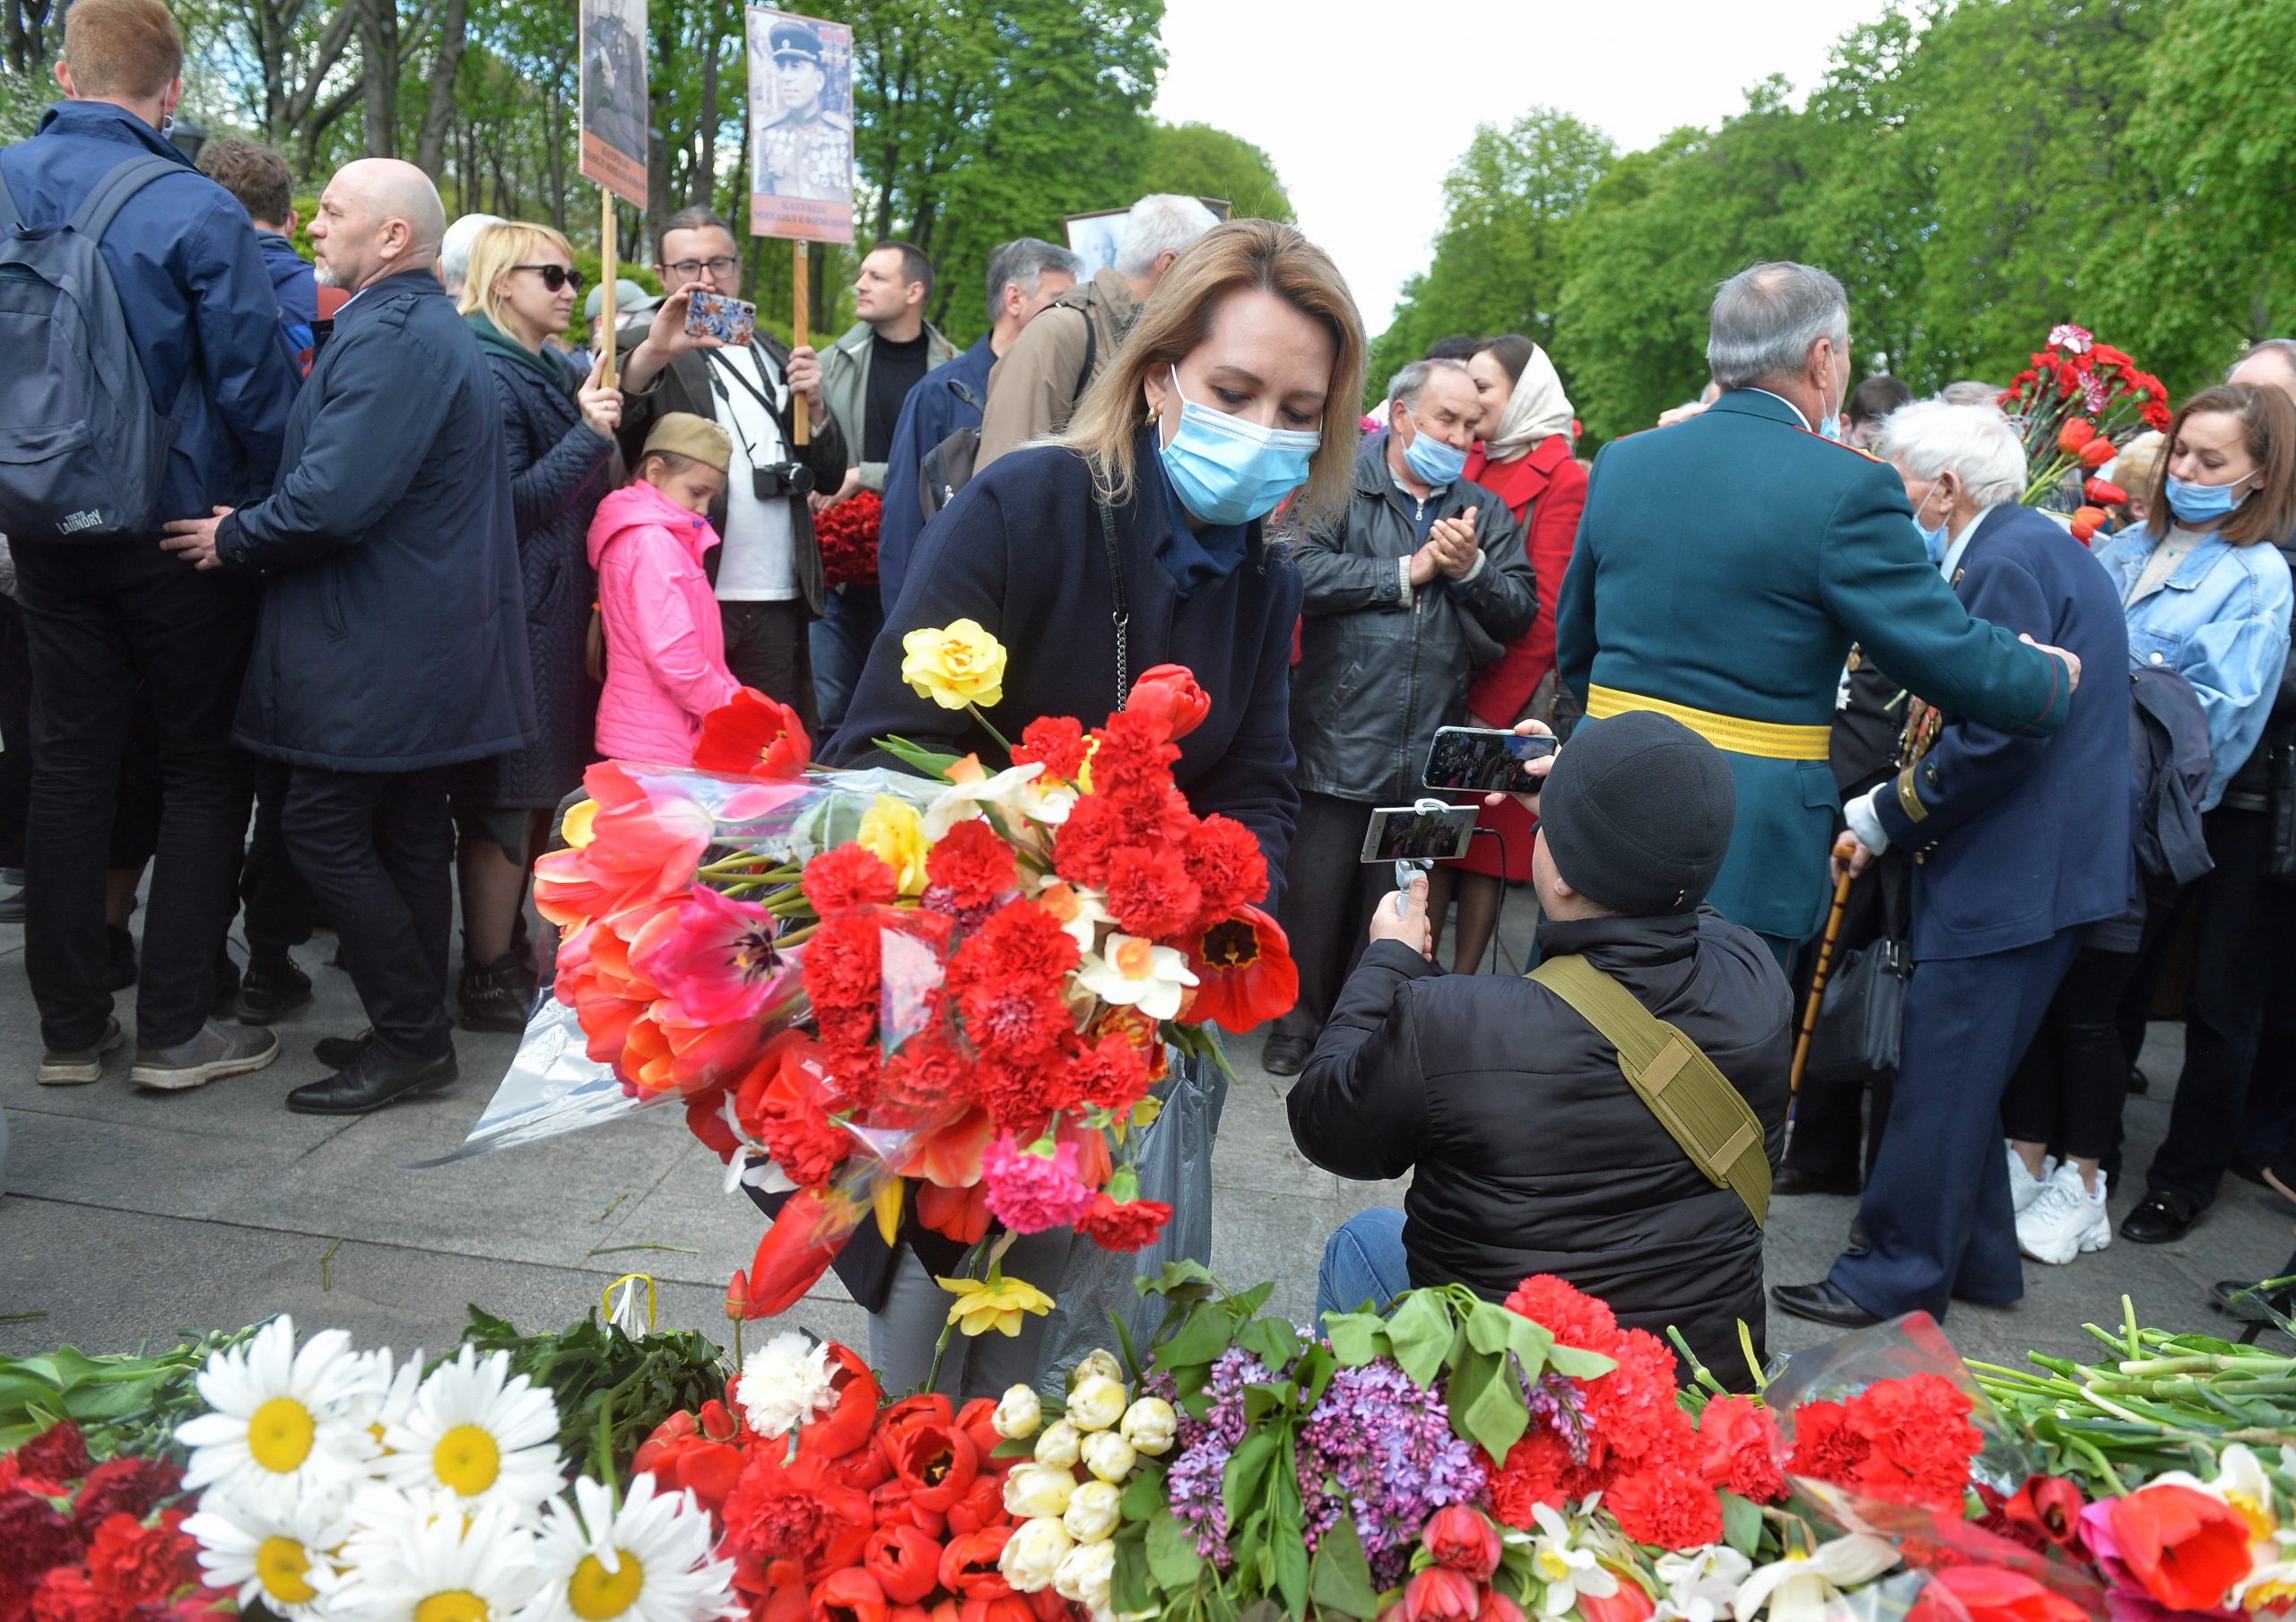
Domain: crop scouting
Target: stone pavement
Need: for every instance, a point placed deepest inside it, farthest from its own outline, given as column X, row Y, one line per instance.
column 129, row 1216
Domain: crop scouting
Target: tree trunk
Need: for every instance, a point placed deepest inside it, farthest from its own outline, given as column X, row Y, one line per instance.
column 705, row 167
column 378, row 45
column 439, row 98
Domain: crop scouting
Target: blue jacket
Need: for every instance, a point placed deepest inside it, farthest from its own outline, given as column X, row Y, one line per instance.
column 392, row 629
column 1727, row 564
column 2020, row 837
column 2221, row 623
column 1020, row 551
column 294, row 284
column 948, row 399
column 193, row 286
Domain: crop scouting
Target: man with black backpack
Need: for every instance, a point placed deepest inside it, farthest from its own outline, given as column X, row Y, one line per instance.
column 148, row 379
column 1024, row 276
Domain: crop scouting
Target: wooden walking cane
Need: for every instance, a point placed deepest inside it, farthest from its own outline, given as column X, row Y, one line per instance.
column 1844, row 848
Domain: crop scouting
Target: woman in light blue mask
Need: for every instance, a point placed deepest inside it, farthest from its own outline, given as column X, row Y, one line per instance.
column 1141, row 536
column 2207, row 591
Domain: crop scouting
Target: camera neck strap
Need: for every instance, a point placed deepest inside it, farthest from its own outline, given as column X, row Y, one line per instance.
column 1120, row 605
column 721, row 372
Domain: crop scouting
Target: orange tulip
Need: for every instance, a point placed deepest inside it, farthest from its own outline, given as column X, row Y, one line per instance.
column 2100, row 492
column 2097, row 452
column 2086, row 523
column 2077, row 432
column 2183, row 1547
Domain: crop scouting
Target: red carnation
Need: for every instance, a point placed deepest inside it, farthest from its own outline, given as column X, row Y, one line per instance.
column 1021, row 1092
column 1128, row 1226
column 1738, row 1446
column 793, row 1523
column 972, row 864
column 1151, row 894
column 1019, row 939
column 1135, row 756
column 1225, row 862
column 1633, row 1408
column 1058, row 742
column 1096, row 830
column 1919, row 1441
column 1827, row 1446
column 843, row 978
column 133, row 1563
column 125, row 1486
column 1665, row 1504
column 849, row 876
column 1538, row 1469
column 846, row 533
column 65, row 1595
column 750, row 735
column 1111, row 1074
column 58, row 1453
column 33, row 1536
column 1016, row 1019
column 1571, row 1315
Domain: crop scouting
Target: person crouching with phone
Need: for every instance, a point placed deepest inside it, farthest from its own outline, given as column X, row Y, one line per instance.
column 1532, row 1151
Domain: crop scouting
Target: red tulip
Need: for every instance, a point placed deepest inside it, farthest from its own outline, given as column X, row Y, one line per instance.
column 1628, row 1604
column 1006, row 1606
column 682, row 1457
column 1498, row 1608
column 2097, row 452
column 751, row 735
column 2050, row 1505
column 1168, row 694
column 2086, row 523
column 1462, row 1540
column 2101, row 493
column 845, row 1428
column 1439, row 1594
column 2185, row 1548
column 934, row 1460
column 905, row 1562
column 1244, row 969
column 2078, row 432
column 851, row 1595
column 969, row 1564
column 738, row 1294
column 1980, row 1593
column 974, row 1419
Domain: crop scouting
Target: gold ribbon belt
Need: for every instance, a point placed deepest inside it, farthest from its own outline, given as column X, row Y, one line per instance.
column 1771, row 739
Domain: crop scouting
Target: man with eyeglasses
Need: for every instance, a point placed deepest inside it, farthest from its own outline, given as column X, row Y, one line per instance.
column 768, row 571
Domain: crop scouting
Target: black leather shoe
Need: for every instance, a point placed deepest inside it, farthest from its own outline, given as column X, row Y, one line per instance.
column 341, row 1053
column 272, row 990
column 1857, row 1234
column 2139, row 1084
column 374, row 1080
column 2160, row 1219
column 1285, row 1055
column 2240, row 1298
column 1793, row 1180
column 497, row 996
column 1821, row 1303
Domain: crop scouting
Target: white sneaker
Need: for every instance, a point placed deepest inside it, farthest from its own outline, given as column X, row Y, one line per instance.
column 2024, row 1187
column 2065, row 1219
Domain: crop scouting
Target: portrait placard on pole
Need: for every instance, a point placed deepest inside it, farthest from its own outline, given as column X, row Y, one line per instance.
column 613, row 97
column 801, row 127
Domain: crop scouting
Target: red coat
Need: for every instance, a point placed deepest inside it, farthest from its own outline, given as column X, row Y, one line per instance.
column 1549, row 486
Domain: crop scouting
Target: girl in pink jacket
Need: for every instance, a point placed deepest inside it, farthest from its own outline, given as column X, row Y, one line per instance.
column 666, row 646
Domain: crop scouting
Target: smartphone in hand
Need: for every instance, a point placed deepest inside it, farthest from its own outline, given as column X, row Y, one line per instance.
column 1481, row 759
column 729, row 320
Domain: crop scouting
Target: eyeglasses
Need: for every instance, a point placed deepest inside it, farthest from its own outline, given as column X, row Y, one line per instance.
column 554, row 276
column 690, row 270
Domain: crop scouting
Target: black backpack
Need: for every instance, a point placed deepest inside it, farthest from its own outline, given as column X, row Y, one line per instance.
column 83, row 448
column 947, row 468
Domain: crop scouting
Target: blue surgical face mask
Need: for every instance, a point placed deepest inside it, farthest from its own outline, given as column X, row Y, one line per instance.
column 1831, row 428
column 1436, row 462
column 1229, row 471
column 2204, row 503
column 1933, row 541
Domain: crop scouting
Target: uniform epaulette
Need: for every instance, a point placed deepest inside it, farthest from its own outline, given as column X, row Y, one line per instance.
column 1841, row 445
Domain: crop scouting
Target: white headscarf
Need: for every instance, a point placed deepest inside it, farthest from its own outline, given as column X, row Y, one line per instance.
column 1535, row 410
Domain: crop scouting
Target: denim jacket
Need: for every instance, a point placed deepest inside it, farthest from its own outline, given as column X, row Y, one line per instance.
column 2221, row 622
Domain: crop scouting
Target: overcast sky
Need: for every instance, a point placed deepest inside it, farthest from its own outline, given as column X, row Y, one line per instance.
column 1363, row 106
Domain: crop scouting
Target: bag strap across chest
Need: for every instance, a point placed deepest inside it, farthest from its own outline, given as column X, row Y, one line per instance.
column 1691, row 1097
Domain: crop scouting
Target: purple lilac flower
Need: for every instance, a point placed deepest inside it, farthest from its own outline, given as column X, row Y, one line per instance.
column 1559, row 1403
column 1389, row 1447
column 1193, row 1483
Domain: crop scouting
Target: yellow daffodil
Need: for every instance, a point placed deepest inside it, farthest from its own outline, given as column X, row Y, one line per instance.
column 892, row 830
column 955, row 665
column 995, row 1302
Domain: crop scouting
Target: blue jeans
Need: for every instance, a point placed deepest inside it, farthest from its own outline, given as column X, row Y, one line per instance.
column 840, row 641
column 1363, row 1260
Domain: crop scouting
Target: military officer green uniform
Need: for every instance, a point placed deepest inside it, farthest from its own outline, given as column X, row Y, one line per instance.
column 806, row 151
column 1723, row 567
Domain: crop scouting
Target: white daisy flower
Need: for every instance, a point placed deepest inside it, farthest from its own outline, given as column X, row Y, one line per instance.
column 784, row 1383
column 1134, row 973
column 479, row 1432
column 286, row 1425
column 279, row 1559
column 647, row 1561
column 431, row 1557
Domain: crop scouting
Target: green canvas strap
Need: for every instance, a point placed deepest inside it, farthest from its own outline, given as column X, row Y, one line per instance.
column 1692, row 1099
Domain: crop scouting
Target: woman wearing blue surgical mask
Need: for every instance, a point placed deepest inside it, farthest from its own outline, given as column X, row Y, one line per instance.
column 1142, row 535
column 2207, row 593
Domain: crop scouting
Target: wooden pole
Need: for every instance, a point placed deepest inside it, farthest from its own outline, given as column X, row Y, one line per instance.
column 607, row 273
column 1825, row 963
column 801, row 298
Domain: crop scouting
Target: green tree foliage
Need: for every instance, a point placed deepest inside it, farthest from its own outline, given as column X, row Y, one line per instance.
column 1197, row 161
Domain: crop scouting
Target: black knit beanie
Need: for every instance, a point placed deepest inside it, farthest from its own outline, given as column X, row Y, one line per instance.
column 1638, row 812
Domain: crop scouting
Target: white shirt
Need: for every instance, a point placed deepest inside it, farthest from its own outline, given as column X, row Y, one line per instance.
column 758, row 562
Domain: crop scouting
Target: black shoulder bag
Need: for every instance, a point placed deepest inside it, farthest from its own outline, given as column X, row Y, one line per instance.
column 1861, row 1021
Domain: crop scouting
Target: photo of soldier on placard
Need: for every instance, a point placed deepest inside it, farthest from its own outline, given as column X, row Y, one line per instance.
column 613, row 96
column 801, row 110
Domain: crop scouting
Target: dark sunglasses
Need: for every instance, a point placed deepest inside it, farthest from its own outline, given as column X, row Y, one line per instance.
column 554, row 276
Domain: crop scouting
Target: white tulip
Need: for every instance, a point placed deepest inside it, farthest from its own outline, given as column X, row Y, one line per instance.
column 1018, row 1415
column 1097, row 1403
column 1035, row 1491
column 1149, row 1425
column 1093, row 1510
column 1085, row 1574
column 1108, row 1456
column 1103, row 1363
column 1060, row 1446
column 1033, row 1554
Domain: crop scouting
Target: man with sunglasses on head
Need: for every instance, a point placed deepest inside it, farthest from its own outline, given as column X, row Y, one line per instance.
column 768, row 571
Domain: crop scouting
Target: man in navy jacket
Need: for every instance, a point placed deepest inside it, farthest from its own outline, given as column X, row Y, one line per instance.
column 99, row 615
column 393, row 639
column 2021, row 843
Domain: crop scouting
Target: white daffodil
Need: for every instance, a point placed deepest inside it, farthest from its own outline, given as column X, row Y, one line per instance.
column 1700, row 1583
column 288, row 1424
column 427, row 1557
column 1080, row 910
column 479, row 1432
column 2271, row 1582
column 1048, row 803
column 1564, row 1572
column 786, row 1383
column 647, row 1561
column 281, row 1560
column 1133, row 972
column 1808, row 1588
column 962, row 800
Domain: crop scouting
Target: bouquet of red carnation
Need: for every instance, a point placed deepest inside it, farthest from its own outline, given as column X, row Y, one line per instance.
column 848, row 534
column 2075, row 406
column 87, row 1542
